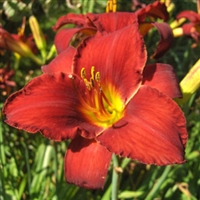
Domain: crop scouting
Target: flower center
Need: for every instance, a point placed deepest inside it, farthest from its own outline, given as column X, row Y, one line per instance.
column 101, row 105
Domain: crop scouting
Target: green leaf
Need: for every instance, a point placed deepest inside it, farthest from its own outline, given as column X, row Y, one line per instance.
column 130, row 194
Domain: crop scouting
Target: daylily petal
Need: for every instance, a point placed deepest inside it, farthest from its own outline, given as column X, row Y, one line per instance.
column 166, row 36
column 86, row 163
column 61, row 63
column 191, row 30
column 190, row 15
column 110, row 22
column 115, row 57
column 166, row 39
column 145, row 27
column 64, row 36
column 47, row 104
column 153, row 130
column 71, row 18
column 156, row 9
column 162, row 77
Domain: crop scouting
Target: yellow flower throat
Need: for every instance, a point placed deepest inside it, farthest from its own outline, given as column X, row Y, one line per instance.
column 101, row 106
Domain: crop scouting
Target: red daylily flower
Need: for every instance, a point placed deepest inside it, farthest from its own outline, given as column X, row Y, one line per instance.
column 89, row 24
column 103, row 97
column 18, row 43
column 192, row 28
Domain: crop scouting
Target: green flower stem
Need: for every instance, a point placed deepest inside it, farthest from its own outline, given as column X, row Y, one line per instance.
column 27, row 166
column 158, row 184
column 107, row 193
column 3, row 171
column 91, row 6
column 125, row 162
column 51, row 53
column 87, row 6
column 17, row 61
column 36, row 59
column 115, row 178
column 31, row 56
column 84, row 4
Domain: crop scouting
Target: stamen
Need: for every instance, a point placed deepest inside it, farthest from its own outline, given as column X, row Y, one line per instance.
column 89, row 84
column 111, row 6
column 94, row 77
column 94, row 101
column 106, row 100
column 92, row 72
column 102, row 106
column 83, row 73
column 84, row 103
column 97, row 77
column 92, row 82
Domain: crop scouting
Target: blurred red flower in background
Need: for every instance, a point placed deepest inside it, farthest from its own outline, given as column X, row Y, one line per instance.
column 18, row 43
column 191, row 28
column 89, row 24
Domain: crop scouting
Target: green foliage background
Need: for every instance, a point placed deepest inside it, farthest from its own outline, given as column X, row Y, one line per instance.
column 31, row 166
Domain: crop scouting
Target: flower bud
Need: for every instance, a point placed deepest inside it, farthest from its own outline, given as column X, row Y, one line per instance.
column 9, row 42
column 190, row 83
column 38, row 35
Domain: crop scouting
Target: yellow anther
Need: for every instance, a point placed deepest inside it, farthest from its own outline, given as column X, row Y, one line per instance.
column 97, row 77
column 92, row 72
column 92, row 82
column 83, row 73
column 111, row 6
column 100, row 104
